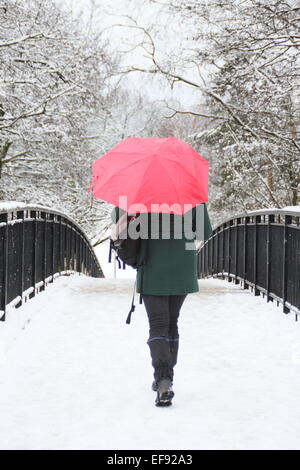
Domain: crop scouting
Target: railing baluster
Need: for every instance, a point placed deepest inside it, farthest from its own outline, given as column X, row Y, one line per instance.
column 212, row 256
column 217, row 250
column 236, row 250
column 3, row 301
column 245, row 284
column 268, row 259
column 256, row 220
column 80, row 255
column 44, row 251
column 60, row 265
column 21, row 215
column 287, row 220
column 52, row 244
column 34, row 214
column 229, row 251
column 223, row 249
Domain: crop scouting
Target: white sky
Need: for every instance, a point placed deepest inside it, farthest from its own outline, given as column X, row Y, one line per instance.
column 167, row 33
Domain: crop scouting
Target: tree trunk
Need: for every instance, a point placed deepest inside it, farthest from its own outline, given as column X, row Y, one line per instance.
column 3, row 152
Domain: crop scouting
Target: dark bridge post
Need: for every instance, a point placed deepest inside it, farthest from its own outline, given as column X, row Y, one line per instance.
column 3, row 264
column 287, row 221
column 257, row 219
column 271, row 218
column 245, row 241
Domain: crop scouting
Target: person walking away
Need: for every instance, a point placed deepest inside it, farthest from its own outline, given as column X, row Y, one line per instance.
column 167, row 277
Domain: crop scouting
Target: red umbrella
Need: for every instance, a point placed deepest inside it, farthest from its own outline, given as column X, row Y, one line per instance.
column 146, row 171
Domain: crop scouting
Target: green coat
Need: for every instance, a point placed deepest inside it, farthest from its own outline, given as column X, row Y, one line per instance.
column 170, row 268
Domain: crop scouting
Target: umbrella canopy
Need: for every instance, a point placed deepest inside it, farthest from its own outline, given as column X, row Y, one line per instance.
column 153, row 173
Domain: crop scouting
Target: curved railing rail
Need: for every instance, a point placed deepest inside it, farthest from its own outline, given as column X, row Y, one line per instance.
column 260, row 249
column 38, row 244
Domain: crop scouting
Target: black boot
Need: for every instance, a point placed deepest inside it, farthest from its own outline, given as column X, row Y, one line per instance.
column 173, row 346
column 164, row 392
column 161, row 359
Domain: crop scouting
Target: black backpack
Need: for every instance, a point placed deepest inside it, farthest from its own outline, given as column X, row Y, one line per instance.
column 127, row 250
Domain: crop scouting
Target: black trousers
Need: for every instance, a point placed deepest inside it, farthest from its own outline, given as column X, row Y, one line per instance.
column 163, row 313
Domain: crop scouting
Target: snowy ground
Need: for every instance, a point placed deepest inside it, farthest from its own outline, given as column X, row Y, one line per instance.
column 73, row 375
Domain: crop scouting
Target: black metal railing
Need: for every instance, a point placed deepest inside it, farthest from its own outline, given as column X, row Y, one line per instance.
column 260, row 249
column 36, row 245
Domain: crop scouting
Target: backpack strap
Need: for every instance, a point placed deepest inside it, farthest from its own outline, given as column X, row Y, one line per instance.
column 110, row 251
column 121, row 264
column 142, row 277
column 142, row 273
column 132, row 308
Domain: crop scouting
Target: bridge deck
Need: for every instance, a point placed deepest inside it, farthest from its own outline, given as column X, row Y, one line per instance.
column 73, row 375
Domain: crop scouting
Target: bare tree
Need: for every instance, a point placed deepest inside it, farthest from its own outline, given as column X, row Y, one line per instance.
column 243, row 58
column 54, row 106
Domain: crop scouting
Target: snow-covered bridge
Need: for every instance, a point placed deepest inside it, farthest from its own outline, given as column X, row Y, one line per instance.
column 74, row 375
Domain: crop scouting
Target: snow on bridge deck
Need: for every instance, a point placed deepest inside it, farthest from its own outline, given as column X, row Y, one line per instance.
column 73, row 375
